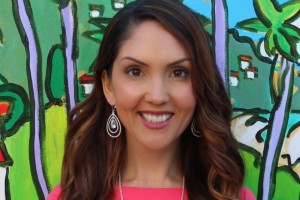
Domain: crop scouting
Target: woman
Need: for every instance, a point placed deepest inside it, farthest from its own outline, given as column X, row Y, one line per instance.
column 157, row 124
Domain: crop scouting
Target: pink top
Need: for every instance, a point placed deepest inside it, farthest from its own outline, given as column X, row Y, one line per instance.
column 134, row 193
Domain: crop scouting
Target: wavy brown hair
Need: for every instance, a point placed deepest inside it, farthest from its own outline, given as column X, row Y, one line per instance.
column 212, row 164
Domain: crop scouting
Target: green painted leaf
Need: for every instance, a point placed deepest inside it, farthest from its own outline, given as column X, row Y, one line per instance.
column 253, row 25
column 283, row 46
column 54, row 82
column 99, row 21
column 269, row 43
column 95, row 35
column 290, row 9
column 267, row 10
column 255, row 118
column 283, row 40
column 20, row 111
column 293, row 31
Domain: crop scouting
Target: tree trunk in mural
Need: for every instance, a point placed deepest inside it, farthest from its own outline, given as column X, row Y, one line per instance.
column 220, row 35
column 24, row 20
column 70, row 46
column 276, row 134
column 280, row 41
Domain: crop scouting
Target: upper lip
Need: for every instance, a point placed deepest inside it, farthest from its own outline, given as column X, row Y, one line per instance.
column 156, row 112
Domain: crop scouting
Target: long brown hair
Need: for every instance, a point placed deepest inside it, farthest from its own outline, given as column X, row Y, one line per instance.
column 212, row 164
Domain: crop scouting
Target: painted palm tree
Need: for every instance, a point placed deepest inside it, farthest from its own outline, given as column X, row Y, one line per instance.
column 26, row 26
column 280, row 44
column 68, row 11
column 220, row 35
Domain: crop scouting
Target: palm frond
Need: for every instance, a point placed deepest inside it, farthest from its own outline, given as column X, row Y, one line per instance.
column 267, row 10
column 290, row 9
column 252, row 25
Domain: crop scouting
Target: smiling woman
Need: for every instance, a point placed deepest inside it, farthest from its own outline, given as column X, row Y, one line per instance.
column 150, row 85
column 157, row 123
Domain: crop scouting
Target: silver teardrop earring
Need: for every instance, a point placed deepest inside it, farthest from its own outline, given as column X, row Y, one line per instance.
column 113, row 125
column 195, row 132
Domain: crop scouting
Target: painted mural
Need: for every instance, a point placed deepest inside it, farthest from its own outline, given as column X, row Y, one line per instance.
column 47, row 52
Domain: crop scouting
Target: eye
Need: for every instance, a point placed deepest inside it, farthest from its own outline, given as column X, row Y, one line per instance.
column 134, row 71
column 179, row 72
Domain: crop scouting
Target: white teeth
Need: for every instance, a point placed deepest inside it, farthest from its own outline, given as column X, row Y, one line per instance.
column 156, row 118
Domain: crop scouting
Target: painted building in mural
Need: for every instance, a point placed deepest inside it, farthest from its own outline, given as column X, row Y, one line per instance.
column 47, row 54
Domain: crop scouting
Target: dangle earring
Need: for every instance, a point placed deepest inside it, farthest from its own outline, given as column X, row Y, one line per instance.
column 195, row 132
column 113, row 125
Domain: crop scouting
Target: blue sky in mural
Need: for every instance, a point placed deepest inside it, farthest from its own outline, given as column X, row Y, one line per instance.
column 238, row 10
column 202, row 6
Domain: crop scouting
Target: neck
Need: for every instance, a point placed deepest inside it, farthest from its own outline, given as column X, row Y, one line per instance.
column 152, row 168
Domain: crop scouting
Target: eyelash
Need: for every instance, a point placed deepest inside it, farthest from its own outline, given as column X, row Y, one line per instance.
column 131, row 70
column 184, row 72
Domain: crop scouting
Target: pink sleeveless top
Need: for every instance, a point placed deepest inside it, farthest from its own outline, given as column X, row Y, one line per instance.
column 135, row 193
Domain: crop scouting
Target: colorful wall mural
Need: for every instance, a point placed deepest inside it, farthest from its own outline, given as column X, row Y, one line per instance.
column 47, row 52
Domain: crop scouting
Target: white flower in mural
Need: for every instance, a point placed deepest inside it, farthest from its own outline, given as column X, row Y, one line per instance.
column 263, row 52
column 247, row 134
column 290, row 151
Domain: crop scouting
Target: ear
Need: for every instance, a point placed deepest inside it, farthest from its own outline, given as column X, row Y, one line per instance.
column 107, row 88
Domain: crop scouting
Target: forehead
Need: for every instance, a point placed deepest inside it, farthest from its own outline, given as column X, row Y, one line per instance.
column 151, row 37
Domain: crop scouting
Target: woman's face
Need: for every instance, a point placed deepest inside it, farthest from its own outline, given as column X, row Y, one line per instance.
column 151, row 87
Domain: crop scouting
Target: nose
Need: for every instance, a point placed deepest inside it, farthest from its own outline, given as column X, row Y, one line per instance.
column 157, row 92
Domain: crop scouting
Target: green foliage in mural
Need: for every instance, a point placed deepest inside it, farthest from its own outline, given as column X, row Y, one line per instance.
column 53, row 147
column 54, row 82
column 20, row 102
column 14, row 112
column 275, row 21
column 21, row 183
column 97, row 19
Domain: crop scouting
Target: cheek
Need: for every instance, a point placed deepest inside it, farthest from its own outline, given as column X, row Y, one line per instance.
column 186, row 98
column 126, row 95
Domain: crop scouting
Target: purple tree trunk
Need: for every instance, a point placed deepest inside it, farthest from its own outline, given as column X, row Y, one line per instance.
column 276, row 134
column 68, row 32
column 220, row 35
column 37, row 113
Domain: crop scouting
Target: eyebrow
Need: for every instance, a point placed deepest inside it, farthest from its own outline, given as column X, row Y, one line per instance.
column 170, row 64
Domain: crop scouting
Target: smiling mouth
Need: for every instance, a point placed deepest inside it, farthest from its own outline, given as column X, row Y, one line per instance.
column 155, row 119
